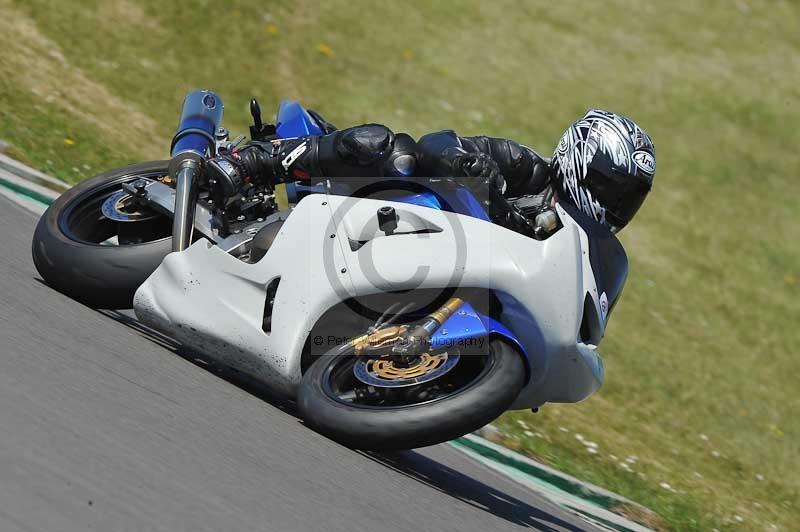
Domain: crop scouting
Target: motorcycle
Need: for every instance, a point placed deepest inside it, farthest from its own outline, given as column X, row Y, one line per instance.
column 398, row 314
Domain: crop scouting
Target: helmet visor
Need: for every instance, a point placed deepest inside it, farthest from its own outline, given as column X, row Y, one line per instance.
column 621, row 196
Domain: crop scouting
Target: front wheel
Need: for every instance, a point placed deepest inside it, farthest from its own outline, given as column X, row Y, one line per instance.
column 95, row 245
column 373, row 404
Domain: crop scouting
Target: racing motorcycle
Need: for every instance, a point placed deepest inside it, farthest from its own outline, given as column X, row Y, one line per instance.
column 398, row 314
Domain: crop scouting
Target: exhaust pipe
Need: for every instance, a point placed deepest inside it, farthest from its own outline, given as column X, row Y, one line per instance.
column 193, row 142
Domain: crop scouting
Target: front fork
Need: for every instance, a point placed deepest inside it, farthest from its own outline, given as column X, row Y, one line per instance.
column 194, row 140
column 455, row 323
column 186, row 176
column 404, row 343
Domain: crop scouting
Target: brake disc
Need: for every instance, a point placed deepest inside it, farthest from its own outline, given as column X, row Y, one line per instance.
column 385, row 373
column 120, row 207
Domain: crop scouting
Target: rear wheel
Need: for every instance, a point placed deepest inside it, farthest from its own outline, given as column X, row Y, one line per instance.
column 96, row 245
column 372, row 403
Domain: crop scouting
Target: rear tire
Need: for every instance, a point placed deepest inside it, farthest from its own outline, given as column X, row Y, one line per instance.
column 102, row 276
column 395, row 428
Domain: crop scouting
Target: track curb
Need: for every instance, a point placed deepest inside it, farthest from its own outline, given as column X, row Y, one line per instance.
column 594, row 503
column 31, row 175
column 562, row 481
column 39, row 194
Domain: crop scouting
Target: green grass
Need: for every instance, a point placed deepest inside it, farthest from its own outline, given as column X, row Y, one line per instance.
column 701, row 355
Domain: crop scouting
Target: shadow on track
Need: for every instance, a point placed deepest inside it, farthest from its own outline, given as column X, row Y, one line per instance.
column 411, row 464
column 237, row 378
column 468, row 490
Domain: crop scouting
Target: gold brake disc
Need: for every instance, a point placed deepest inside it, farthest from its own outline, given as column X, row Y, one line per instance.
column 384, row 372
column 386, row 369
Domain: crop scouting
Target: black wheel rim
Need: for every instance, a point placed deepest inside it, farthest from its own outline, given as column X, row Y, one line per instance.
column 341, row 385
column 82, row 219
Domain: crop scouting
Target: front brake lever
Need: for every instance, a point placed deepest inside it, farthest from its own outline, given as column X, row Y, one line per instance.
column 232, row 145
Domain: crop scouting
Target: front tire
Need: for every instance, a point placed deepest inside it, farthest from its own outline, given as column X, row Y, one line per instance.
column 416, row 425
column 70, row 248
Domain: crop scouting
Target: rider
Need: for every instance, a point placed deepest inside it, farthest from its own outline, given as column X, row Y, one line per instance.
column 603, row 164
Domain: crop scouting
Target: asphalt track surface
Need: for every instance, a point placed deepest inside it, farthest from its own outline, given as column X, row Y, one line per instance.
column 105, row 426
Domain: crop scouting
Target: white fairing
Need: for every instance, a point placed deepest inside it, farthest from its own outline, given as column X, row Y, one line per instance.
column 213, row 302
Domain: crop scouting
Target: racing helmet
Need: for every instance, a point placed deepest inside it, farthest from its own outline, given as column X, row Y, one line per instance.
column 604, row 164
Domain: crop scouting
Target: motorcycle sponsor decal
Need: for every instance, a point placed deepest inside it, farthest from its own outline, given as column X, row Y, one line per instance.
column 603, row 306
column 645, row 161
column 293, row 155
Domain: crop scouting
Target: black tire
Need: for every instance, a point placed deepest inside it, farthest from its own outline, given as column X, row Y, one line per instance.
column 100, row 276
column 398, row 428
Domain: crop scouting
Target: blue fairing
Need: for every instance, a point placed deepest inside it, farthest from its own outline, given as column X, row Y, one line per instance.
column 469, row 204
column 294, row 121
column 424, row 199
column 467, row 326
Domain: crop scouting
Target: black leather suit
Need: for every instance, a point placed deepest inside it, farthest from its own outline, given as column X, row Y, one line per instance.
column 374, row 151
column 525, row 171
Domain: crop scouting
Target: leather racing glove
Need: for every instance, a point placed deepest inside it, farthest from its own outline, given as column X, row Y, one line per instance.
column 477, row 171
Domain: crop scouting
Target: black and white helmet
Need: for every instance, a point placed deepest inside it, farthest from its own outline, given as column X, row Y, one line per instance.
column 604, row 164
